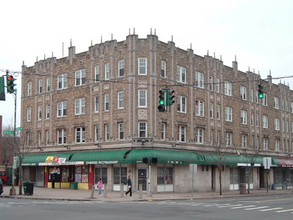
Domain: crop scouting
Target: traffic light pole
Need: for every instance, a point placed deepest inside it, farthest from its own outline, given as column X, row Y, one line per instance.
column 12, row 190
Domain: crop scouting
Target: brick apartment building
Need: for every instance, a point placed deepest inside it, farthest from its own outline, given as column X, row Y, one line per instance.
column 95, row 114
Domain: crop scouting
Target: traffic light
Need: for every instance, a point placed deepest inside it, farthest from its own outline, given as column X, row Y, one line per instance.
column 10, row 83
column 162, row 103
column 170, row 97
column 260, row 91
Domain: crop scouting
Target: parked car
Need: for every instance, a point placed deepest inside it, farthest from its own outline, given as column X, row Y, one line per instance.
column 3, row 176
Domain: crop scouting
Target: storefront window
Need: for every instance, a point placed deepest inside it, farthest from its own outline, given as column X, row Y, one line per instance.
column 120, row 175
column 101, row 172
column 165, row 175
column 234, row 176
column 81, row 174
column 65, row 174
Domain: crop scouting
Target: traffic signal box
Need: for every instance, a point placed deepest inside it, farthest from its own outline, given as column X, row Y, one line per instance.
column 10, row 83
column 260, row 91
column 170, row 97
column 162, row 98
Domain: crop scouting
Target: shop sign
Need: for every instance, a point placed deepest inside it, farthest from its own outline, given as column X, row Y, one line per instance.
column 102, row 162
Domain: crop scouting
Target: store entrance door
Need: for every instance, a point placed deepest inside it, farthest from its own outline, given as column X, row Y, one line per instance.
column 142, row 178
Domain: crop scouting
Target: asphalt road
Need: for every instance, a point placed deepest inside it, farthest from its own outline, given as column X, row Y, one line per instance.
column 260, row 208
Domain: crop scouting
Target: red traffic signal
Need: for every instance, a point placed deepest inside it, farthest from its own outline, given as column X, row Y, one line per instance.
column 10, row 83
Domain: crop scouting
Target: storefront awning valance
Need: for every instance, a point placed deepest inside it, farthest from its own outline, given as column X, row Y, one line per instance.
column 285, row 162
column 100, row 157
column 46, row 159
column 162, row 156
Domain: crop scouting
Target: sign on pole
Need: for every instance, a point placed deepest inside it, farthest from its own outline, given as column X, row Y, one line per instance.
column 8, row 132
column 267, row 162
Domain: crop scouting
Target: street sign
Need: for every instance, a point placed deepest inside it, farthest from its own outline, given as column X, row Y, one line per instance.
column 19, row 128
column 8, row 132
column 267, row 162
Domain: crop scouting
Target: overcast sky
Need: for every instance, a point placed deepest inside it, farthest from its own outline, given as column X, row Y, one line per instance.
column 258, row 32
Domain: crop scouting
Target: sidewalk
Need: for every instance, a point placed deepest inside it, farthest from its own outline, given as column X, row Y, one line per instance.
column 85, row 195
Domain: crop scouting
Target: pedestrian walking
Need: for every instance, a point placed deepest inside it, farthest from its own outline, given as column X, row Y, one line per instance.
column 129, row 184
column 100, row 186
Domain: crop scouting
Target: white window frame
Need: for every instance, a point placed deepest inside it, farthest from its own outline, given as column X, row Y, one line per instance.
column 40, row 112
column 121, row 100
column 243, row 92
column 163, row 130
column 211, row 83
column 265, row 99
column 229, row 138
column 200, row 136
column 107, row 71
column 80, row 77
column 62, row 82
column 61, row 109
column 181, row 104
column 265, row 121
column 47, row 137
column 142, row 66
column 97, row 102
column 29, row 114
column 80, row 106
column 217, row 85
column 276, row 102
column 277, row 124
column 265, row 143
column 243, row 117
column 29, row 88
column 120, row 131
column 142, row 98
column 181, row 74
column 228, row 88
column 121, row 68
column 199, row 80
column 106, row 102
column 97, row 73
column 61, row 136
column 218, row 111
column 96, row 133
column 142, row 129
column 48, row 89
column 41, row 86
column 228, row 114
column 199, row 109
column 163, row 68
column 47, row 111
column 107, row 132
column 244, row 140
column 211, row 110
column 277, row 145
column 181, row 133
column 79, row 132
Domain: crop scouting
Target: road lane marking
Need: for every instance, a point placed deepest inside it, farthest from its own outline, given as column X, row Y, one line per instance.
column 261, row 207
column 241, row 207
column 228, row 205
column 286, row 210
column 265, row 210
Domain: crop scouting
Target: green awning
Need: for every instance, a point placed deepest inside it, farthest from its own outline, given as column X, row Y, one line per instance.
column 37, row 159
column 100, row 157
column 163, row 156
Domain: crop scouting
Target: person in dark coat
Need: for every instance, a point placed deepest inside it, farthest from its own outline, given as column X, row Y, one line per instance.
column 129, row 184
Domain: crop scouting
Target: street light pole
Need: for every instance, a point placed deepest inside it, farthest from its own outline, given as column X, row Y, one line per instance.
column 12, row 190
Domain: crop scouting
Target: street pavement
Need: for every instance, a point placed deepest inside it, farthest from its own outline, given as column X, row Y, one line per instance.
column 89, row 195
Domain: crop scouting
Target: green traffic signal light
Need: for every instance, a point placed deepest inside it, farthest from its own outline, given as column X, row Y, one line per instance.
column 161, row 106
column 260, row 91
column 260, row 96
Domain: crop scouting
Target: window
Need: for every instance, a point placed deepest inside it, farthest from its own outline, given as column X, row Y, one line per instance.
column 181, row 104
column 48, row 84
column 40, row 86
column 142, row 98
column 228, row 88
column 211, row 83
column 244, row 141
column 163, row 68
column 199, row 79
column 265, row 100
column 243, row 92
column 62, row 82
column 61, row 136
column 211, row 139
column 229, row 138
column 47, row 111
column 28, row 139
column 217, row 85
column 107, row 71
column 257, row 120
column 40, row 138
column 81, row 174
column 228, row 114
column 97, row 104
column 181, row 133
column 277, row 145
column 107, row 102
column 101, row 172
column 181, row 74
column 252, row 119
column 29, row 114
column 211, row 110
column 39, row 112
column 62, row 109
column 277, row 124
column 80, row 106
column 291, row 107
column 97, row 133
column 120, row 100
column 200, row 136
column 97, row 73
column 244, row 117
column 80, row 135
column 142, row 129
column 265, row 121
column 120, row 68
column 47, row 134
column 218, row 112
column 120, row 131
column 120, row 175
column 251, row 95
column 80, row 76
column 107, row 132
column 142, row 66
column 199, row 109
column 276, row 103
column 165, row 175
column 29, row 89
column 163, row 130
